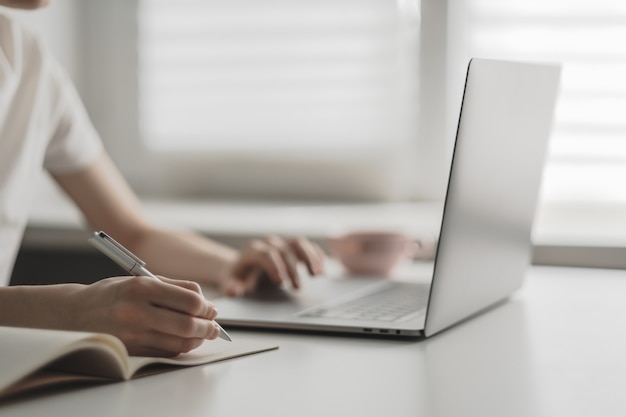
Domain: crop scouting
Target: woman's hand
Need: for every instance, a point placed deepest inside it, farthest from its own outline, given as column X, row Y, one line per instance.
column 152, row 317
column 276, row 258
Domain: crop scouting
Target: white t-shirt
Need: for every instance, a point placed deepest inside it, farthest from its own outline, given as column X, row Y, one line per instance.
column 43, row 125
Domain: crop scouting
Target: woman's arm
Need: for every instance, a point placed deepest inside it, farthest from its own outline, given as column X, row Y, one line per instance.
column 109, row 204
column 151, row 317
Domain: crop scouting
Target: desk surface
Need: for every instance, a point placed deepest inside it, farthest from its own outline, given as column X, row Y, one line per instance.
column 555, row 349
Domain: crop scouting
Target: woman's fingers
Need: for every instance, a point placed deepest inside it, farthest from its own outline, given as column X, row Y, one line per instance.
column 184, row 296
column 239, row 287
column 309, row 253
column 278, row 259
column 288, row 259
column 178, row 324
column 188, row 299
column 259, row 254
column 151, row 317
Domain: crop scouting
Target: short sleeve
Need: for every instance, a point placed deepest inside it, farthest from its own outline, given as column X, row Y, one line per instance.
column 74, row 143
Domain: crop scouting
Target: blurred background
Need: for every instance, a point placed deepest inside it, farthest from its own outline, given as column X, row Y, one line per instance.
column 341, row 101
column 331, row 99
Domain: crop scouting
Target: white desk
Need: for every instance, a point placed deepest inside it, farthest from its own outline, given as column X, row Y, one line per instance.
column 557, row 348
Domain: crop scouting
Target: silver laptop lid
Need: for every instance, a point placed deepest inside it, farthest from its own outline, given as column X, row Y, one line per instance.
column 495, row 177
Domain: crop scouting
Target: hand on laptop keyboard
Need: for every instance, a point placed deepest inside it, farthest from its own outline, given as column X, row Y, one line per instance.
column 277, row 259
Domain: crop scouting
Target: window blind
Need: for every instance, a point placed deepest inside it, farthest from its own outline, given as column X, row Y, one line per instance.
column 276, row 75
column 587, row 156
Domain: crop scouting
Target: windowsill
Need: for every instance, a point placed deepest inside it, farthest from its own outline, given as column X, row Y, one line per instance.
column 565, row 234
column 581, row 234
column 59, row 224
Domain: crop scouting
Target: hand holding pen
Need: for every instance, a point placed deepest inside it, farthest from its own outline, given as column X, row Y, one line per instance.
column 128, row 261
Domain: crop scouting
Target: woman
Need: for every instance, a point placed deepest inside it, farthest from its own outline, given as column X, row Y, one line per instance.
column 43, row 125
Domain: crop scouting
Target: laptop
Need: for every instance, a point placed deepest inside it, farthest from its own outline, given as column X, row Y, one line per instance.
column 484, row 244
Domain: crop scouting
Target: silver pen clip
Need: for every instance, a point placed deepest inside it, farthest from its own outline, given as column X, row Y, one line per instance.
column 118, row 253
column 121, row 248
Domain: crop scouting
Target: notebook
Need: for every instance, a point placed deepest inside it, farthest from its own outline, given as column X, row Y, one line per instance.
column 484, row 243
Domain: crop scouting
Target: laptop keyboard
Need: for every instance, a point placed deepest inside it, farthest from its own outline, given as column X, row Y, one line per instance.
column 395, row 301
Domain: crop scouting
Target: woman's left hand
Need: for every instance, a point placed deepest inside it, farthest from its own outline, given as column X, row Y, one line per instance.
column 276, row 258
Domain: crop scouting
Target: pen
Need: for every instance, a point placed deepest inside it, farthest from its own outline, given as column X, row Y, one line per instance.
column 129, row 261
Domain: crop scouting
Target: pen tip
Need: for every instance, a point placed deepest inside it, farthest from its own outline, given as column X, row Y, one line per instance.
column 225, row 335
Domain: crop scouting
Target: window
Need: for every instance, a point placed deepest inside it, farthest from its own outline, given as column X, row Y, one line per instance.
column 277, row 76
column 320, row 99
column 285, row 98
column 587, row 156
column 401, row 58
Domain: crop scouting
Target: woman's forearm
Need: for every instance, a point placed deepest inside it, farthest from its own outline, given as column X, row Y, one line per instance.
column 44, row 306
column 152, row 317
column 185, row 255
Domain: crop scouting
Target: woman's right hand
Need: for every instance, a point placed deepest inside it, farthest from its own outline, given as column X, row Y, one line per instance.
column 162, row 317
